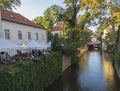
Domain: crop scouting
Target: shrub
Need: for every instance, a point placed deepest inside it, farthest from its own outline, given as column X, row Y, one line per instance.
column 31, row 75
column 117, row 57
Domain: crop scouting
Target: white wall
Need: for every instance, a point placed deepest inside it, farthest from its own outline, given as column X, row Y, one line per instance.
column 1, row 33
column 94, row 39
column 15, row 27
column 55, row 32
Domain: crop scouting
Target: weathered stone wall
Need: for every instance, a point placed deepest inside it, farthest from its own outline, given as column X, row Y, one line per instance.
column 67, row 59
column 82, row 50
column 117, row 70
column 66, row 62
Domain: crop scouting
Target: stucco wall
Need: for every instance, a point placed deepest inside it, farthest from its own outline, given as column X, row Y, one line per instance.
column 15, row 27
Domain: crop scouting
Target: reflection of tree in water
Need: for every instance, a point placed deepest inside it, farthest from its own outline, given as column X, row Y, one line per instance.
column 70, row 79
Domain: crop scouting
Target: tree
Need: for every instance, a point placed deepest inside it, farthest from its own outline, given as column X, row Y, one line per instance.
column 9, row 4
column 72, row 11
column 87, row 10
column 38, row 20
column 56, row 43
column 52, row 15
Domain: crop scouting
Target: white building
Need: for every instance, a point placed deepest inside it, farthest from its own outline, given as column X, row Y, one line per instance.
column 106, row 31
column 93, row 38
column 19, row 29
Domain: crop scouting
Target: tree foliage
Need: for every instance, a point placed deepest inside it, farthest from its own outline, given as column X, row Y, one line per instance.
column 56, row 43
column 38, row 20
column 9, row 4
column 51, row 16
column 72, row 11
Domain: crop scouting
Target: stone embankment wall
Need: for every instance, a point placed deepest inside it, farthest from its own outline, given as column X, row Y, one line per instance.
column 66, row 62
column 114, row 62
column 67, row 59
column 117, row 69
column 82, row 51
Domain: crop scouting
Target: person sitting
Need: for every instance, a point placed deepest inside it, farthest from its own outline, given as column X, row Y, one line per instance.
column 39, row 53
column 8, row 58
column 2, row 56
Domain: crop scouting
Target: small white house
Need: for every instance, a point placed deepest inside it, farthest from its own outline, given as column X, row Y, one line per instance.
column 20, row 30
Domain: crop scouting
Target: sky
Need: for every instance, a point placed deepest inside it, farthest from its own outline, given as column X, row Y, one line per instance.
column 33, row 8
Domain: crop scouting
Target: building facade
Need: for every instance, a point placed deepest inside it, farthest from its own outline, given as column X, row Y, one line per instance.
column 20, row 30
column 106, row 31
column 93, row 43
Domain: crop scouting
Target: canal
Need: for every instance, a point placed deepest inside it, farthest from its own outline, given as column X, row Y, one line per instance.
column 93, row 73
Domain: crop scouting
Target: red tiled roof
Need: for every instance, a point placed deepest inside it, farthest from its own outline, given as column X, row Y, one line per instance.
column 58, row 27
column 17, row 18
column 93, row 43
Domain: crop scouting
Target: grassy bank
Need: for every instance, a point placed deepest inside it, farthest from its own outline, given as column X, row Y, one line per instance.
column 31, row 75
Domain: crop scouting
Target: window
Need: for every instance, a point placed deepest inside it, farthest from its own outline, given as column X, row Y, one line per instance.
column 36, row 36
column 29, row 35
column 19, row 35
column 7, row 33
column 43, row 36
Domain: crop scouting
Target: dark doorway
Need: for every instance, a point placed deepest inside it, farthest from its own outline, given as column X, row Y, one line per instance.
column 90, row 47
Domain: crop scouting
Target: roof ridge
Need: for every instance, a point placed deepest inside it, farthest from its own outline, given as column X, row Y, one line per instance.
column 18, row 18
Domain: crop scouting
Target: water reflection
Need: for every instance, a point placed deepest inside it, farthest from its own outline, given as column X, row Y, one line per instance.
column 94, row 73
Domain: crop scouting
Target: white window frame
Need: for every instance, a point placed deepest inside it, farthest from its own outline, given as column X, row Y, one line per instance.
column 36, row 36
column 29, row 35
column 20, row 35
column 7, row 34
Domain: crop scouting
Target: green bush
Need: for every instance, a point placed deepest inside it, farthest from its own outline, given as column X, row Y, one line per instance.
column 71, row 49
column 31, row 75
column 56, row 44
column 117, row 57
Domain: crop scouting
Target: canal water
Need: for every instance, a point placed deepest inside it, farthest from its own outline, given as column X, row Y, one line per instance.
column 93, row 73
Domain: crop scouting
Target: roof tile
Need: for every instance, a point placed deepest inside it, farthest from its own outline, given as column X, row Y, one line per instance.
column 17, row 18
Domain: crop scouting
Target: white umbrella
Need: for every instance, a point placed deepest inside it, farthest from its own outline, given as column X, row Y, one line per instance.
column 8, row 46
column 33, row 44
column 5, row 44
column 44, row 45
